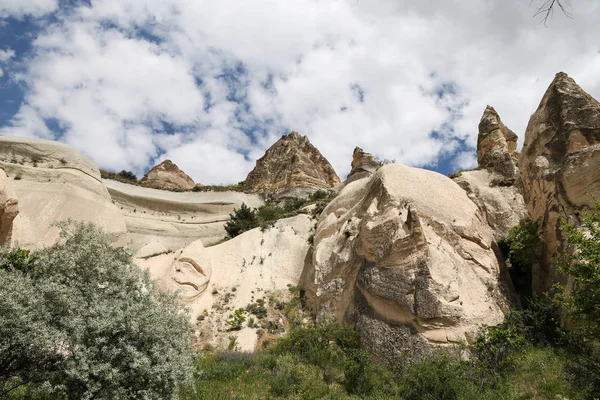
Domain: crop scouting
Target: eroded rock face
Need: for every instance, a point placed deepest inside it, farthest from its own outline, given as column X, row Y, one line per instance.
column 291, row 165
column 559, row 165
column 363, row 165
column 496, row 145
column 167, row 175
column 9, row 209
column 408, row 258
column 53, row 182
column 214, row 281
column 502, row 206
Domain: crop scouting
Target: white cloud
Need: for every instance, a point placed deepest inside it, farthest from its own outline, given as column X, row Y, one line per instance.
column 131, row 81
column 21, row 8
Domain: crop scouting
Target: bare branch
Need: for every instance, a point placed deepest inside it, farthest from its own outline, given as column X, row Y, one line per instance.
column 546, row 9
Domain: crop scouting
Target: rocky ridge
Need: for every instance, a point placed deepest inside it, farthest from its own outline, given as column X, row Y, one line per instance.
column 292, row 167
column 167, row 175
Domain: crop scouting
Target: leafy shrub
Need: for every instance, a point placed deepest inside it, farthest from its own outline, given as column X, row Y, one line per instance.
column 236, row 320
column 242, row 220
column 81, row 320
column 128, row 175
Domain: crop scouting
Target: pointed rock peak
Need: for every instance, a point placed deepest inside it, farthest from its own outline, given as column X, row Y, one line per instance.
column 363, row 165
column 167, row 175
column 291, row 163
column 496, row 145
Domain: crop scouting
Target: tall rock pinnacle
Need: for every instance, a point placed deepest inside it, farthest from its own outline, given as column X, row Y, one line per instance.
column 496, row 145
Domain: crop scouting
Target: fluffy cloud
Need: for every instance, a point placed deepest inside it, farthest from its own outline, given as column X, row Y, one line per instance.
column 212, row 84
column 21, row 8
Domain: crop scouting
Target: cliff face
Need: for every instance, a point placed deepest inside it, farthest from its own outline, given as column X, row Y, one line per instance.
column 559, row 165
column 292, row 164
column 167, row 175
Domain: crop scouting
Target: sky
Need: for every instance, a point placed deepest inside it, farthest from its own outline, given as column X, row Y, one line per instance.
column 212, row 84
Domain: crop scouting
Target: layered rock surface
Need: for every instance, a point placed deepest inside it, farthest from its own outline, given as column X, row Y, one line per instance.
column 496, row 145
column 559, row 165
column 174, row 219
column 408, row 258
column 9, row 209
column 167, row 175
column 292, row 166
column 53, row 182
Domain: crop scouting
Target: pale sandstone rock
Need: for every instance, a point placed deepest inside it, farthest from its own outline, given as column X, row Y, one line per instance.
column 291, row 167
column 53, row 182
column 363, row 165
column 502, row 206
column 167, row 175
column 559, row 166
column 172, row 218
column 251, row 265
column 496, row 145
column 9, row 209
column 408, row 258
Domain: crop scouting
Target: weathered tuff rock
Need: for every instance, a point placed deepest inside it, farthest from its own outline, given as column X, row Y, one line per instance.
column 53, row 182
column 291, row 166
column 408, row 258
column 9, row 209
column 363, row 165
column 496, row 145
column 502, row 206
column 173, row 219
column 167, row 175
column 214, row 281
column 559, row 165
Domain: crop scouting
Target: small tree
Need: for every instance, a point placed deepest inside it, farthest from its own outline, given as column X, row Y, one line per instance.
column 242, row 220
column 582, row 262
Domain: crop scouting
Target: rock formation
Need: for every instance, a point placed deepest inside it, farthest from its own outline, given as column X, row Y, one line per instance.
column 291, row 167
column 496, row 145
column 54, row 182
column 9, row 208
column 215, row 281
column 173, row 219
column 363, row 165
column 559, row 165
column 167, row 175
column 408, row 258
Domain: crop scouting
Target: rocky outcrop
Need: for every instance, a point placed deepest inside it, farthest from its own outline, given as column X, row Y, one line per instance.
column 173, row 219
column 292, row 166
column 559, row 165
column 408, row 258
column 9, row 209
column 363, row 165
column 214, row 281
column 496, row 145
column 53, row 182
column 167, row 175
column 502, row 206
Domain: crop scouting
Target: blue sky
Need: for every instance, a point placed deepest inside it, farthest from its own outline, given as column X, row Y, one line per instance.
column 211, row 85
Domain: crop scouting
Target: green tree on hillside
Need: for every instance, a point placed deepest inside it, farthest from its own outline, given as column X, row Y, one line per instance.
column 80, row 320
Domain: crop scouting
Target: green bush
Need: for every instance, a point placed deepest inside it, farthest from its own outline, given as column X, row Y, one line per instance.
column 81, row 320
column 242, row 220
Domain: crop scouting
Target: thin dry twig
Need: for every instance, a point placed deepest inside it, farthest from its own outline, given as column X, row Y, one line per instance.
column 546, row 9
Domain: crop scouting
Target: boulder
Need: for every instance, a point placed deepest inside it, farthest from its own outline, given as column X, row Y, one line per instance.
column 9, row 209
column 496, row 145
column 363, row 164
column 167, row 175
column 559, row 166
column 409, row 259
column 291, row 167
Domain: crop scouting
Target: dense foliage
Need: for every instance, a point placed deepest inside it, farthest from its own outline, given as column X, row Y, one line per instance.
column 80, row 320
